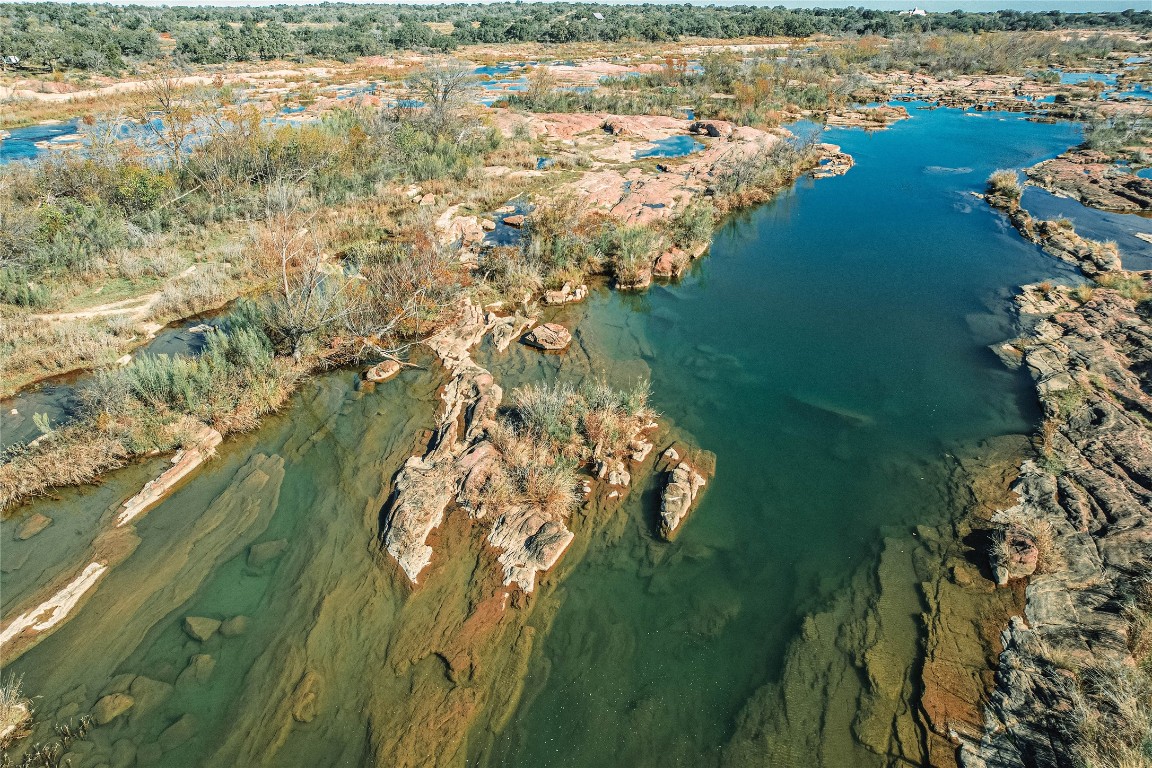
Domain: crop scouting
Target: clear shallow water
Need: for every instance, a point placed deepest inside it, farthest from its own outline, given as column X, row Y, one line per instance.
column 830, row 351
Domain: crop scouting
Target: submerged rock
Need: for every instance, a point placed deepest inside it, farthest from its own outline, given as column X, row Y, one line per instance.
column 111, row 707
column 200, row 628
column 265, row 552
column 32, row 526
column 198, row 671
column 234, row 627
column 304, row 698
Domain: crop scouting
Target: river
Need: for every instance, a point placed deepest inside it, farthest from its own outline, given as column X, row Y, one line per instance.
column 832, row 351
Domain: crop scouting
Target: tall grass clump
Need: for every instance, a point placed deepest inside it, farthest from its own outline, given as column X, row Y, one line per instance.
column 1005, row 184
column 552, row 431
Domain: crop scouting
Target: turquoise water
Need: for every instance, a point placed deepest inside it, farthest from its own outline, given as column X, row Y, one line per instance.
column 831, row 351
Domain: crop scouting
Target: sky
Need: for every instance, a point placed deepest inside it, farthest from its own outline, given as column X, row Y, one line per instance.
column 1069, row 6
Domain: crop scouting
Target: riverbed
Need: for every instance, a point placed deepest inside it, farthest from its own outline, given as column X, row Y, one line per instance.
column 832, row 351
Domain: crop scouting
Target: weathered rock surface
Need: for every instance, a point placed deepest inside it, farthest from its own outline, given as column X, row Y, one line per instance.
column 111, row 707
column 201, row 628
column 1095, row 180
column 566, row 295
column 506, row 330
column 551, row 337
column 382, row 371
column 32, row 526
column 1087, row 509
column 458, row 459
column 265, row 552
column 867, row 117
column 199, row 447
column 681, row 486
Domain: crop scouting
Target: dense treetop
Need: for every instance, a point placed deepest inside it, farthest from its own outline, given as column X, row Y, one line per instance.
column 110, row 38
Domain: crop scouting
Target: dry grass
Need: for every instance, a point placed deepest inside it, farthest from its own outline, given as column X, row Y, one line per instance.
column 15, row 712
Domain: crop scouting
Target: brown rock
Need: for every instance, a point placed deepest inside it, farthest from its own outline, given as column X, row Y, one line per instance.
column 549, row 337
column 382, row 371
column 516, row 220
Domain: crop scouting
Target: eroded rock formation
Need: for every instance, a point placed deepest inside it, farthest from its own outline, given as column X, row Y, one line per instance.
column 1095, row 180
column 1083, row 528
column 1059, row 239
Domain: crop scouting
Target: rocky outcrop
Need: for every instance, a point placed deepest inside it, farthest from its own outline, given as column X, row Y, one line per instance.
column 1059, row 239
column 1080, row 535
column 833, row 162
column 458, row 461
column 1095, row 180
column 682, row 484
column 566, row 294
column 551, row 337
column 867, row 117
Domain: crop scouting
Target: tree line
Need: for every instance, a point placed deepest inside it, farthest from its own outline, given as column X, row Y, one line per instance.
column 108, row 38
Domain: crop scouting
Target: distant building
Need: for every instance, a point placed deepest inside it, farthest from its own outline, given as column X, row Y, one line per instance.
column 598, row 16
column 914, row 12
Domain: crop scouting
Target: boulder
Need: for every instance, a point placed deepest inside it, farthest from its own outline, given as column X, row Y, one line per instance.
column 200, row 628
column 681, row 487
column 149, row 693
column 111, row 707
column 32, row 526
column 549, row 336
column 515, row 220
column 382, row 371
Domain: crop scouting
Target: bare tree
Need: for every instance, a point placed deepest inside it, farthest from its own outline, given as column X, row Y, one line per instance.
column 443, row 86
column 171, row 113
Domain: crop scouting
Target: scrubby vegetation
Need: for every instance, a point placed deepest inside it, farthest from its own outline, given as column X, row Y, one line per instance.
column 111, row 39
column 1005, row 184
column 550, row 433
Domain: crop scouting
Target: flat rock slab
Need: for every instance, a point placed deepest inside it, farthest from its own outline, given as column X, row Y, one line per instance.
column 32, row 526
